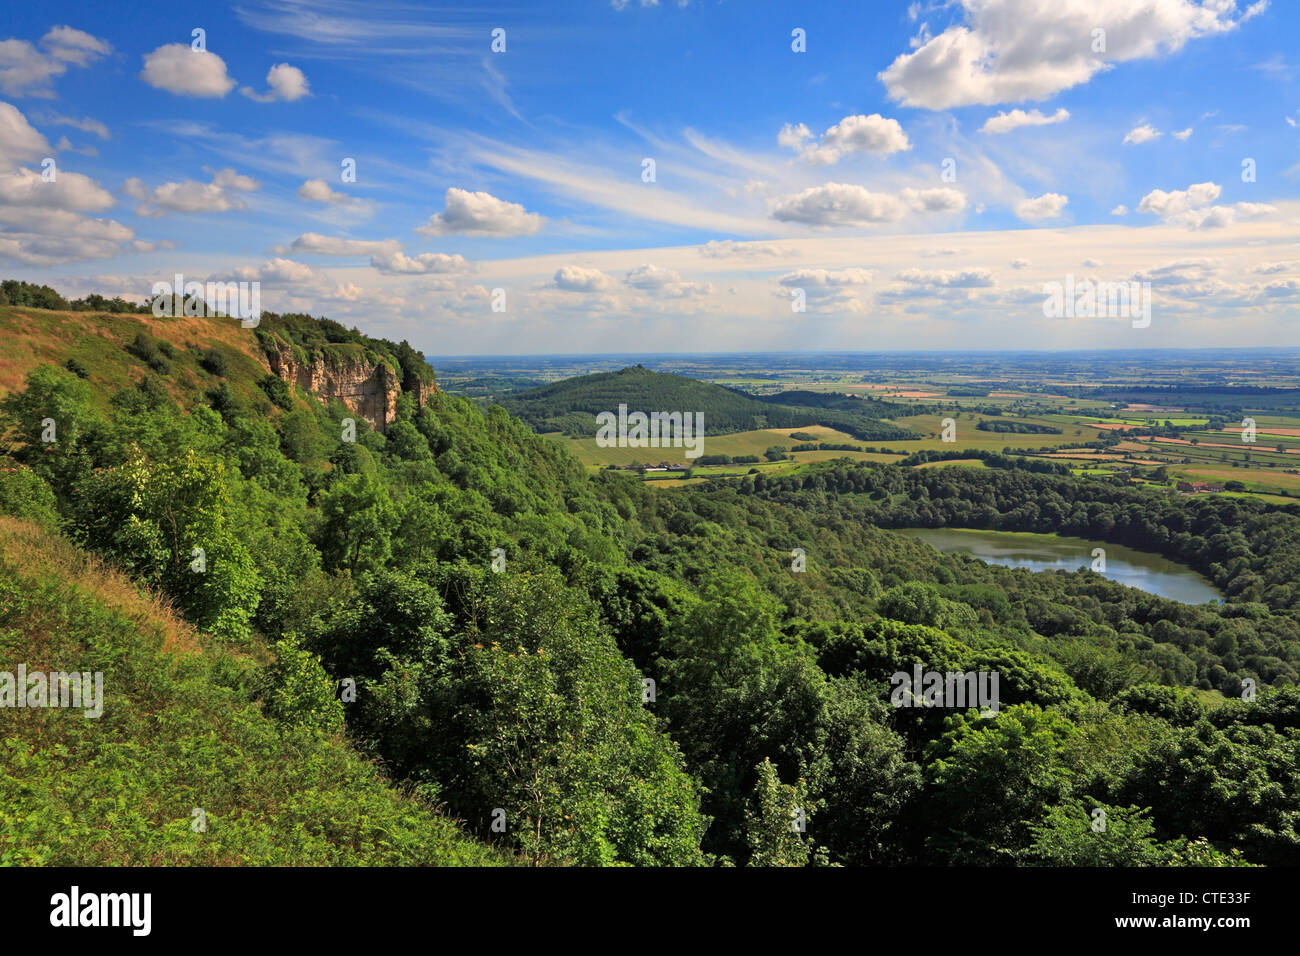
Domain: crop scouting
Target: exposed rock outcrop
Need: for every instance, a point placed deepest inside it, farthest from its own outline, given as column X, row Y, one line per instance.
column 368, row 389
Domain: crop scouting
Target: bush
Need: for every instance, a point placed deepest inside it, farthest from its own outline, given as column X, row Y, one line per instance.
column 214, row 362
column 277, row 391
column 146, row 348
column 299, row 692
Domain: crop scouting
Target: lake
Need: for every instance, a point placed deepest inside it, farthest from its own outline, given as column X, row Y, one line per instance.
column 1049, row 552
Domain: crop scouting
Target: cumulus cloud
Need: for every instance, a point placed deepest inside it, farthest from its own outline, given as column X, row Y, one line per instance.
column 827, row 289
column 43, row 222
column 838, row 204
column 1193, row 207
column 317, row 190
column 28, row 71
column 1046, row 206
column 938, row 199
column 287, row 83
column 1008, row 51
column 481, row 214
column 578, row 279
column 824, row 279
column 1142, row 133
column 1182, row 134
column 19, row 140
column 1120, row 210
column 284, row 271
column 179, row 69
column 793, row 137
column 394, row 262
column 665, row 282
column 842, row 204
column 189, row 197
column 1006, row 122
column 874, row 134
column 26, row 187
column 945, row 279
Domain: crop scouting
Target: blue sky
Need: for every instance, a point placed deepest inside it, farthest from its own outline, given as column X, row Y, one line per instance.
column 917, row 173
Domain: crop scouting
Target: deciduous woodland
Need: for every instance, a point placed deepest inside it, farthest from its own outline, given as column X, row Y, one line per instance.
column 643, row 679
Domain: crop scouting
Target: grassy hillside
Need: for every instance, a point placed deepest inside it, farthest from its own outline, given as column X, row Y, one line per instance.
column 99, row 345
column 181, row 729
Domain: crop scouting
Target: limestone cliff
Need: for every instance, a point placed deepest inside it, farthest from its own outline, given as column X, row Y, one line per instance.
column 368, row 388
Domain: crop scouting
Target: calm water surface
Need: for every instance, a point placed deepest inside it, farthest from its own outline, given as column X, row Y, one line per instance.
column 1049, row 552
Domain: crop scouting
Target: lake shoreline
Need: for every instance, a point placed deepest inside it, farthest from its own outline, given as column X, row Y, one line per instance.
column 1144, row 570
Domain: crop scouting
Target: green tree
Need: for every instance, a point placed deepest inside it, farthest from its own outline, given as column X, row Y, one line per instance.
column 357, row 521
column 777, row 819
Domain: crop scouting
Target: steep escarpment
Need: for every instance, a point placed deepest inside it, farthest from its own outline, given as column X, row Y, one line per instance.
column 367, row 375
column 368, row 389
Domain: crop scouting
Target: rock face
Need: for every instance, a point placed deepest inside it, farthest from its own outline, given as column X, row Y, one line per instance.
column 368, row 390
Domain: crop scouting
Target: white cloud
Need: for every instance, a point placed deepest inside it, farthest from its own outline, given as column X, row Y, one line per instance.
column 1006, row 122
column 1046, row 206
column 1008, row 51
column 944, row 279
column 729, row 248
column 874, row 134
column 26, row 187
column 792, row 137
column 825, row 278
column 1193, row 207
column 42, row 223
column 938, row 199
column 317, row 190
column 842, row 204
column 284, row 271
column 665, row 282
column 179, row 69
column 1142, row 133
column 1182, row 134
column 838, row 204
column 1180, row 271
column 394, row 262
column 578, row 279
column 19, row 140
column 27, row 71
column 189, row 196
column 316, row 244
column 1120, row 210
column 287, row 83
column 85, row 124
column 481, row 214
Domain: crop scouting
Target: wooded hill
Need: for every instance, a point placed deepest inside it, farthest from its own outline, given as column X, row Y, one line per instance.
column 571, row 406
